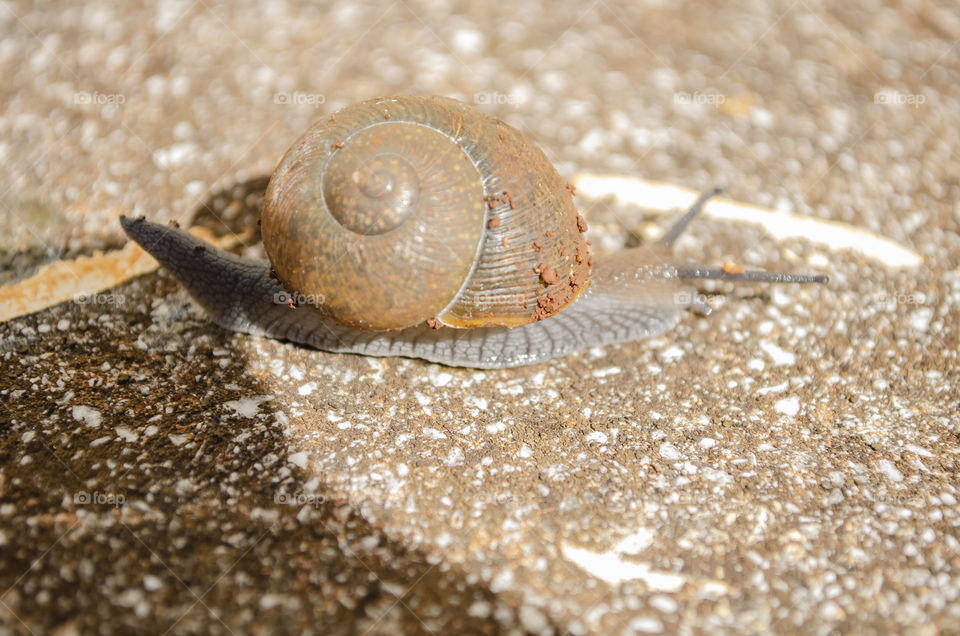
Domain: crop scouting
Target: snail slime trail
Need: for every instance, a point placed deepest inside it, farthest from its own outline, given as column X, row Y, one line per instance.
column 463, row 227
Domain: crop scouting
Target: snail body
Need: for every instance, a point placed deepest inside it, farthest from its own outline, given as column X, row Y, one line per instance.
column 401, row 215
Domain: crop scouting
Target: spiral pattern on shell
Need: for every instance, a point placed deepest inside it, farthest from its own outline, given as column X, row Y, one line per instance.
column 399, row 210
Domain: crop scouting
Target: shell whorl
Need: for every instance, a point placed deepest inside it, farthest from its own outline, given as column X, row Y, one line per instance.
column 397, row 210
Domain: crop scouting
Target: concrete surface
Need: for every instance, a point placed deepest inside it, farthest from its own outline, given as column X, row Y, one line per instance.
column 786, row 465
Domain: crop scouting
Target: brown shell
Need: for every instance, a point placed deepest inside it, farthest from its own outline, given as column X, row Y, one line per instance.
column 398, row 210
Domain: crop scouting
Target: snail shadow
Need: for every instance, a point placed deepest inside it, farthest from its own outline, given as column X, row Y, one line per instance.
column 211, row 460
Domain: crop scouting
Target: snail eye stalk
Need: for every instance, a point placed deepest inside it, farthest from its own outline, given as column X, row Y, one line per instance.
column 681, row 224
column 689, row 272
column 694, row 271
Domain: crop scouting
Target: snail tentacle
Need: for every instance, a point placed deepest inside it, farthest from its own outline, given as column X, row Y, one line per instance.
column 630, row 298
column 681, row 224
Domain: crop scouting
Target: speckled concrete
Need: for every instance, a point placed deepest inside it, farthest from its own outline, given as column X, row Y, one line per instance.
column 787, row 464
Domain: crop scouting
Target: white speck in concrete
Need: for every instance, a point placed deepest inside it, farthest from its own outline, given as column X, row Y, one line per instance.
column 597, row 352
column 664, row 604
column 152, row 583
column 756, row 364
column 184, row 487
column 669, row 451
column 609, row 567
column 308, row 389
column 635, row 543
column 247, row 407
column 779, row 356
column 923, row 452
column 888, row 470
column 479, row 402
column 716, row 476
column 100, row 441
column 920, row 319
column 645, row 625
column 63, row 324
column 468, row 41
column 479, row 609
column 27, row 436
column 707, row 443
column 831, row 611
column 602, row 373
column 433, row 433
column 532, row 619
column 298, row 459
column 441, row 378
column 454, row 457
column 593, row 141
column 525, row 452
column 788, row 406
column 126, row 434
column 270, row 601
column 780, row 297
column 672, row 353
column 818, row 261
column 776, row 388
column 196, row 187
column 496, row 427
column 502, row 582
column 597, row 437
column 177, row 440
column 174, row 155
column 87, row 414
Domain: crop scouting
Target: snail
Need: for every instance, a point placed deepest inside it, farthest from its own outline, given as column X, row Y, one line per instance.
column 422, row 227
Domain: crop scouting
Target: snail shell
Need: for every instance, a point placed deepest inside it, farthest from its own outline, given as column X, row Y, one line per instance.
column 400, row 210
column 401, row 214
